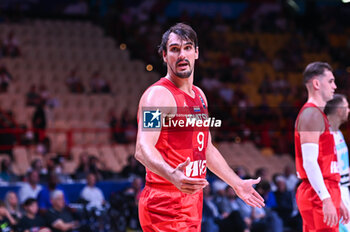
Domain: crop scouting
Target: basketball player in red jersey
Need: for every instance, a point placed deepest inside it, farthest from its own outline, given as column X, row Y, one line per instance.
column 318, row 196
column 176, row 158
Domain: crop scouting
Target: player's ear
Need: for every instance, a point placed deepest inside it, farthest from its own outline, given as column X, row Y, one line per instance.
column 316, row 83
column 164, row 57
column 197, row 53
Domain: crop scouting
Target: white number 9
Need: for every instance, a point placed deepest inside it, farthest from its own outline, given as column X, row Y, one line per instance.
column 200, row 140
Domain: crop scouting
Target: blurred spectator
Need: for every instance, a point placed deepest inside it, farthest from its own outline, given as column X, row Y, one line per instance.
column 5, row 79
column 31, row 188
column 33, row 98
column 98, row 84
column 7, row 138
column 136, row 188
column 92, row 194
column 258, row 219
column 44, row 93
column 284, row 200
column 55, row 165
column 11, row 45
column 291, row 179
column 83, row 167
column 232, row 217
column 39, row 122
column 37, row 165
column 44, row 147
column 93, row 167
column 27, row 137
column 219, row 189
column 210, row 212
column 31, row 221
column 74, row 83
column 44, row 195
column 133, row 168
column 7, row 222
column 12, row 205
column 59, row 217
column 86, row 165
column 7, row 173
column 114, row 126
column 262, row 173
column 242, row 172
column 264, row 189
column 133, row 194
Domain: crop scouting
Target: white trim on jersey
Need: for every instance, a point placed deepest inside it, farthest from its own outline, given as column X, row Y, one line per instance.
column 343, row 157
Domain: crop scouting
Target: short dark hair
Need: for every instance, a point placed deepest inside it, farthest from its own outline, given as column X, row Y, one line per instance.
column 185, row 32
column 334, row 103
column 29, row 201
column 315, row 69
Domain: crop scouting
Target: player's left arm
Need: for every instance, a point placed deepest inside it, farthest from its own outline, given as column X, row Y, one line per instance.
column 218, row 165
column 243, row 188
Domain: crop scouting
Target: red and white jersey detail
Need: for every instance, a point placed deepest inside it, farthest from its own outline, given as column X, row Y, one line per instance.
column 327, row 156
column 176, row 143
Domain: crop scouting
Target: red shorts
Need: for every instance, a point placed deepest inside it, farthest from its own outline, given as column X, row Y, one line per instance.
column 168, row 209
column 310, row 206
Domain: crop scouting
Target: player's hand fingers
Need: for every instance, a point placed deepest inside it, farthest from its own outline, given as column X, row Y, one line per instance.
column 183, row 165
column 330, row 220
column 256, row 181
column 258, row 201
column 195, row 181
column 190, row 191
column 259, row 198
column 192, row 186
column 252, row 203
column 346, row 218
column 326, row 219
column 334, row 220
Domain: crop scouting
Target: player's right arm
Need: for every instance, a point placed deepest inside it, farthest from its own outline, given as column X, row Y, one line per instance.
column 310, row 127
column 146, row 152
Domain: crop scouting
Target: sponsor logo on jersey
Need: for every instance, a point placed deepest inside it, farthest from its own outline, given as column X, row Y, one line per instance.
column 196, row 168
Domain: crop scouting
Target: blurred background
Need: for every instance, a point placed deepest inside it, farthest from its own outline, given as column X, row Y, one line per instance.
column 72, row 73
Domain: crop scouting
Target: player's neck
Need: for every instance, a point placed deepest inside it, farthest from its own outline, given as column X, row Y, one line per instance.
column 185, row 84
column 318, row 101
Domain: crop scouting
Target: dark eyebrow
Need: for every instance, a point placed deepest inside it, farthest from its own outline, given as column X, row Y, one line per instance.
column 176, row 44
column 189, row 43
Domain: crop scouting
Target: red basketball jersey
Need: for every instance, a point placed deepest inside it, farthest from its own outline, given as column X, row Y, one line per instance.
column 327, row 156
column 177, row 141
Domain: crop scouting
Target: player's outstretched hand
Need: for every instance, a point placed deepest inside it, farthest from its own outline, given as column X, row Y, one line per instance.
column 344, row 213
column 186, row 184
column 330, row 216
column 248, row 194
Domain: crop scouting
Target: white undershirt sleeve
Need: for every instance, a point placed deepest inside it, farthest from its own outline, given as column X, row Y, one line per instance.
column 312, row 169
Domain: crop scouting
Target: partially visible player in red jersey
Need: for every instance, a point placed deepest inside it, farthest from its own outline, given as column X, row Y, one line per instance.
column 318, row 196
column 176, row 158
